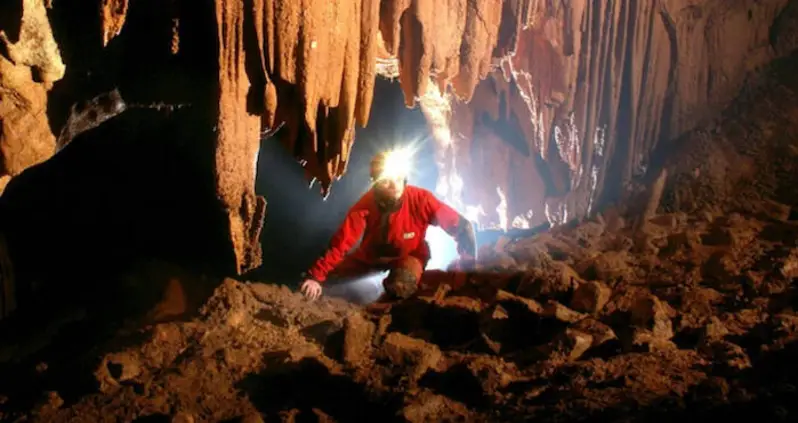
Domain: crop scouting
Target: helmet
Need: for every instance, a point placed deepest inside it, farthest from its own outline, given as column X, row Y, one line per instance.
column 377, row 165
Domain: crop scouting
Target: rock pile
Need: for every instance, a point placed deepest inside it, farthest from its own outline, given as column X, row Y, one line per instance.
column 592, row 321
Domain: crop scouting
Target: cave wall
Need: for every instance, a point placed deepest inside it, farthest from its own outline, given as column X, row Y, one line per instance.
column 122, row 187
column 602, row 84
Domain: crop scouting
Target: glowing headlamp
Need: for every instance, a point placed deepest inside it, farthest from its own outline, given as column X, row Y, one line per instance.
column 398, row 164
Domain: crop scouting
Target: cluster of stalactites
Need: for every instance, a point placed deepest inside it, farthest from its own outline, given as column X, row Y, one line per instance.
column 319, row 60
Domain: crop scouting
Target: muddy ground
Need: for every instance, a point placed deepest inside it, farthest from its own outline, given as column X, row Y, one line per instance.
column 686, row 315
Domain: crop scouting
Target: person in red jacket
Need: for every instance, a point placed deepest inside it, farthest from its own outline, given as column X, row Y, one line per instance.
column 392, row 219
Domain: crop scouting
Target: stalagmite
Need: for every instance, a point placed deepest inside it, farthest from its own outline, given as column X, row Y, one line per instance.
column 113, row 14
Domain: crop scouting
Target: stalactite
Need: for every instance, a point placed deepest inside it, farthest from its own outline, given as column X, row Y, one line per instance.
column 238, row 140
column 113, row 14
column 601, row 84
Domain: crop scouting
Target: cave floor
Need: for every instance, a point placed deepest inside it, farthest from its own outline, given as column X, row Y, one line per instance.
column 702, row 325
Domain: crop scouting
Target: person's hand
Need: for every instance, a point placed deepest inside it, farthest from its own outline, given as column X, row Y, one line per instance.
column 311, row 289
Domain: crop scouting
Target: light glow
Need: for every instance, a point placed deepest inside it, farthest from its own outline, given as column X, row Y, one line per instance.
column 398, row 164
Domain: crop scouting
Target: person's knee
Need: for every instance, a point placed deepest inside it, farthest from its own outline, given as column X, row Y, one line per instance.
column 402, row 282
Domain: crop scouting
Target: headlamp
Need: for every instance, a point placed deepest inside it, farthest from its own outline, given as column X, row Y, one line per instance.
column 396, row 164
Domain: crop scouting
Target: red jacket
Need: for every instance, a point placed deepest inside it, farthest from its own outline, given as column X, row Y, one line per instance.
column 405, row 236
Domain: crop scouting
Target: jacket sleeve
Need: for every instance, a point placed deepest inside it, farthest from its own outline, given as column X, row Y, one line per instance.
column 344, row 239
column 455, row 224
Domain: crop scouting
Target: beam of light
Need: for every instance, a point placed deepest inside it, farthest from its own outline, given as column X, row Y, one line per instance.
column 398, row 163
column 365, row 289
column 443, row 249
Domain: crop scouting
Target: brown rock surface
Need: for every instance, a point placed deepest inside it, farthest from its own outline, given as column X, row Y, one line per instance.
column 28, row 68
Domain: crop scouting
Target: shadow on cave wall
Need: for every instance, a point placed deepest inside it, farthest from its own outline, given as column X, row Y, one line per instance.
column 136, row 187
column 140, row 186
column 139, row 61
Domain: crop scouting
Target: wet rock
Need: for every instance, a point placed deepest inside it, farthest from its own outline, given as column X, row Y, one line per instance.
column 786, row 324
column 529, row 304
column 591, row 297
column 382, row 327
column 555, row 310
column 790, row 266
column 358, row 335
column 183, row 417
column 50, row 403
column 732, row 231
column 713, row 331
column 650, row 313
column 600, row 332
column 118, row 367
column 721, row 266
column 322, row 417
column 492, row 327
column 688, row 240
column 568, row 346
column 251, row 418
column 714, row 387
column 616, row 242
column 429, row 407
column 670, row 221
column 468, row 304
column 413, row 353
column 236, row 357
column 649, row 239
column 731, row 356
column 608, row 266
column 567, row 279
column 613, row 220
column 666, row 221
column 651, row 341
column 557, row 280
column 697, row 306
column 491, row 373
column 559, row 248
column 589, row 234
column 774, row 210
column 499, row 261
column 743, row 321
column 718, row 236
column 236, row 318
column 771, row 287
column 531, row 252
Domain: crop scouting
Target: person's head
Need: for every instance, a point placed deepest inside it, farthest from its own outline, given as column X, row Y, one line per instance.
column 388, row 173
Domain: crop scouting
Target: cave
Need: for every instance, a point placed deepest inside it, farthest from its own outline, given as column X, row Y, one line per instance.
column 168, row 171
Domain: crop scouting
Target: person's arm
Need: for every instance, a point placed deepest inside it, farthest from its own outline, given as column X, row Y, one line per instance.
column 344, row 239
column 453, row 223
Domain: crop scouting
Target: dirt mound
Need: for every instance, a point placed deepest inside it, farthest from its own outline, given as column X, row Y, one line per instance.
column 694, row 314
